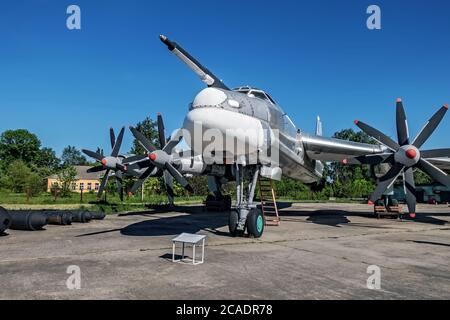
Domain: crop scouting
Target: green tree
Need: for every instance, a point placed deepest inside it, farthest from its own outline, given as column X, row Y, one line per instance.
column 148, row 128
column 67, row 176
column 71, row 156
column 17, row 175
column 34, row 185
column 346, row 173
column 19, row 145
column 46, row 163
column 421, row 178
column 199, row 184
column 20, row 178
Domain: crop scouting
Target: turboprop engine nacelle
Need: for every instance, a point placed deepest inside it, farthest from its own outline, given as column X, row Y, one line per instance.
column 190, row 165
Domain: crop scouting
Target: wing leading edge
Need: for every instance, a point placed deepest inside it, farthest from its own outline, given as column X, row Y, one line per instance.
column 331, row 149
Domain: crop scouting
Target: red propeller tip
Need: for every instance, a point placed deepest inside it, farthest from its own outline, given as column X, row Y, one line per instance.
column 345, row 161
column 412, row 215
column 370, row 202
column 356, row 121
column 152, row 156
column 446, row 106
column 158, row 114
column 399, row 100
column 411, row 153
column 103, row 162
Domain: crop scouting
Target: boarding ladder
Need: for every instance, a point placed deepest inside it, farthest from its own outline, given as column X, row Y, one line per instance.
column 268, row 202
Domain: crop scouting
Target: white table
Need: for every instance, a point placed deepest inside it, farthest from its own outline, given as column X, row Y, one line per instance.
column 192, row 239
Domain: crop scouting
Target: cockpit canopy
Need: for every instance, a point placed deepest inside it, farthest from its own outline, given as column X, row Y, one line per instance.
column 255, row 93
column 278, row 117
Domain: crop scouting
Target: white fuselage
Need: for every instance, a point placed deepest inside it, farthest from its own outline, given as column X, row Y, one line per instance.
column 244, row 128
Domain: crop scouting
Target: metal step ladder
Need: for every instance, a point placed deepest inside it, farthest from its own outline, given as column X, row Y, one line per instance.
column 268, row 202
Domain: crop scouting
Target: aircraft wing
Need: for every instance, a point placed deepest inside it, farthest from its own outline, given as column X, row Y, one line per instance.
column 331, row 149
column 441, row 163
column 334, row 150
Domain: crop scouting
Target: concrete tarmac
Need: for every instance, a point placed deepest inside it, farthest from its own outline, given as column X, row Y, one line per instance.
column 320, row 251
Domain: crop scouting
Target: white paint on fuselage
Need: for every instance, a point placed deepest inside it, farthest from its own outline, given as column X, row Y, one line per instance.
column 207, row 114
column 231, row 125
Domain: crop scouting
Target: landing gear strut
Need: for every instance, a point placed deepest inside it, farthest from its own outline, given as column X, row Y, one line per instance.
column 246, row 216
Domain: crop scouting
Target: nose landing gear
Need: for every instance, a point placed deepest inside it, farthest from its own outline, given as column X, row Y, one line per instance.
column 254, row 223
column 246, row 215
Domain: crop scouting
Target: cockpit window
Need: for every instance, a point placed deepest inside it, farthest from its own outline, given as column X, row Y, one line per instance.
column 258, row 94
column 270, row 98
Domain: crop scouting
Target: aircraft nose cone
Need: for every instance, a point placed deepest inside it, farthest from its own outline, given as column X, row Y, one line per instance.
column 103, row 162
column 209, row 97
column 411, row 153
column 412, row 215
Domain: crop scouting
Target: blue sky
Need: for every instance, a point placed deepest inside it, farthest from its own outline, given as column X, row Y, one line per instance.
column 313, row 57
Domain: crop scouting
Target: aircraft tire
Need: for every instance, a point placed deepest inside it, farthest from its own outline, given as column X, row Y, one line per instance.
column 228, row 203
column 233, row 222
column 255, row 223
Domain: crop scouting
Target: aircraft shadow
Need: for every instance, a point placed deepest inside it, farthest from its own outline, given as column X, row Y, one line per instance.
column 196, row 220
column 336, row 218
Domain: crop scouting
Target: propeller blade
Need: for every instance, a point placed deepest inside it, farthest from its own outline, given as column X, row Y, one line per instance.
column 93, row 154
column 410, row 191
column 103, row 184
column 386, row 181
column 430, row 126
column 161, row 133
column 140, row 165
column 116, row 149
column 173, row 141
column 134, row 158
column 179, row 177
column 95, row 169
column 168, row 183
column 434, row 172
column 402, row 124
column 132, row 172
column 142, row 140
column 141, row 179
column 378, row 135
column 112, row 137
column 372, row 159
column 436, row 153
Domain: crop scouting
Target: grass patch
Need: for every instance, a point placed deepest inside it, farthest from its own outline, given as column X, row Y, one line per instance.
column 16, row 201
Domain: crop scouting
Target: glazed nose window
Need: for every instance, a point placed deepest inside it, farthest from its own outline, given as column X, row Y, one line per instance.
column 209, row 97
